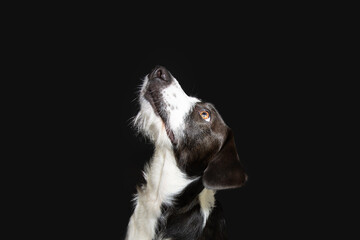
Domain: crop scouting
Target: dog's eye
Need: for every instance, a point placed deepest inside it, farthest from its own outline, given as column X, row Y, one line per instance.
column 205, row 115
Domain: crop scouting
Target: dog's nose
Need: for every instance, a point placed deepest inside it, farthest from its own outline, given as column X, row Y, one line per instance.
column 160, row 72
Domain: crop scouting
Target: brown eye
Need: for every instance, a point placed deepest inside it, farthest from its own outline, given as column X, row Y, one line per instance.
column 205, row 115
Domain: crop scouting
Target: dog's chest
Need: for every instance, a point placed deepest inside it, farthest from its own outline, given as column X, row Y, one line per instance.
column 187, row 217
column 164, row 181
column 164, row 184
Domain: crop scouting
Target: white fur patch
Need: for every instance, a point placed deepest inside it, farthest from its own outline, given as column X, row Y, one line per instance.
column 207, row 203
column 178, row 106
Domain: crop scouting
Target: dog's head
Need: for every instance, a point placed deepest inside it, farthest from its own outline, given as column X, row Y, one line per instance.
column 201, row 141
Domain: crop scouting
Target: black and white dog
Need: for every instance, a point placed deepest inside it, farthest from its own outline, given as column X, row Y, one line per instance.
column 194, row 156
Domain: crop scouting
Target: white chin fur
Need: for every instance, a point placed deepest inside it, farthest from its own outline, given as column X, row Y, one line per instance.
column 151, row 125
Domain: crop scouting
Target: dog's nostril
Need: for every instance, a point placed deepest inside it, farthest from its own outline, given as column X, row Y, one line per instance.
column 160, row 73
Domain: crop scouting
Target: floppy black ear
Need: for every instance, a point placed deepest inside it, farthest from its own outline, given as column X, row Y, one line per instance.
column 225, row 169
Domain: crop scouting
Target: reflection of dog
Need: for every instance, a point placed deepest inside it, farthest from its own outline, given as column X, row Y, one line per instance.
column 194, row 156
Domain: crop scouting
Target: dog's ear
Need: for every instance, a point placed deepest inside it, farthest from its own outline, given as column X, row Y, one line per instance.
column 225, row 169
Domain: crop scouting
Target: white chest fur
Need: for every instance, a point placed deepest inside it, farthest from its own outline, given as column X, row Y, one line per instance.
column 164, row 181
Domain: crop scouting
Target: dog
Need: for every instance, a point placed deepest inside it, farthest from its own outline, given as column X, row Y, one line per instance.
column 194, row 156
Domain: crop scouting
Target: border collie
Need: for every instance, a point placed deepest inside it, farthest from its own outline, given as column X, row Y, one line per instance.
column 194, row 156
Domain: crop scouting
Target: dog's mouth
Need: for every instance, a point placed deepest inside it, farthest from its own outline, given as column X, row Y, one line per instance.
column 157, row 104
column 159, row 79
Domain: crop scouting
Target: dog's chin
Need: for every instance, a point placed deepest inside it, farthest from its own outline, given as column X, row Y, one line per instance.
column 149, row 122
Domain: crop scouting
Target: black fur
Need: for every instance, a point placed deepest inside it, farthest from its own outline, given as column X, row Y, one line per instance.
column 184, row 220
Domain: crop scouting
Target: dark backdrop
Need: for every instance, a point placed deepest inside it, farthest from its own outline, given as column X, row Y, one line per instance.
column 253, row 88
column 256, row 80
column 239, row 85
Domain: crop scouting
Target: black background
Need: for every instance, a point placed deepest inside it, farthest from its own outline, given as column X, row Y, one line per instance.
column 254, row 87
column 250, row 89
column 261, row 76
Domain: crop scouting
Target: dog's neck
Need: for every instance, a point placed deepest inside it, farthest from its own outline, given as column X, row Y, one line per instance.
column 164, row 178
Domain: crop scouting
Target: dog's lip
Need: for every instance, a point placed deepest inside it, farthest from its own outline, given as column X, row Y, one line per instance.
column 150, row 98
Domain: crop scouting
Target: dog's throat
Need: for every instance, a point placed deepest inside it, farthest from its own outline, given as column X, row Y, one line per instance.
column 164, row 177
column 161, row 178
